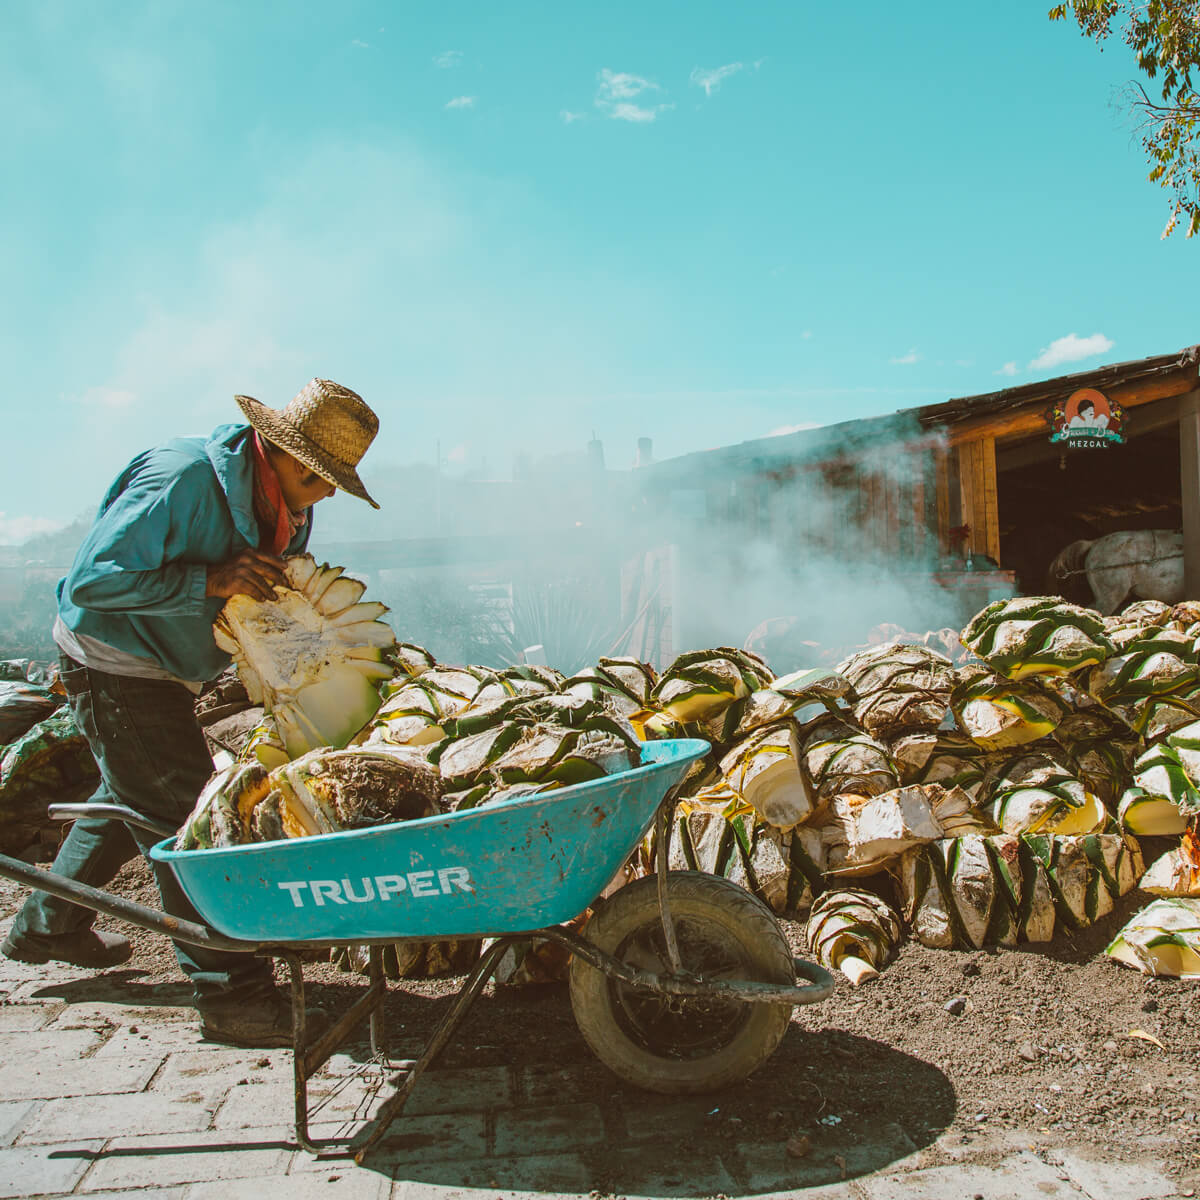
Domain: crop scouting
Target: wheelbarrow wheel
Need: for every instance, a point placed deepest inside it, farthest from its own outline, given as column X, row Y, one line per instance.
column 681, row 1045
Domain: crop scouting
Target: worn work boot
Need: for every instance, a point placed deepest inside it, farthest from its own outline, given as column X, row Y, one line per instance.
column 86, row 948
column 258, row 1023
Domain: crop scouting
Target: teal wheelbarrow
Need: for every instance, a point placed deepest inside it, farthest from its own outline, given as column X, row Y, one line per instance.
column 680, row 982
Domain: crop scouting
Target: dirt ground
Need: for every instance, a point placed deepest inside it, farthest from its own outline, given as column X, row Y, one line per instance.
column 1057, row 1042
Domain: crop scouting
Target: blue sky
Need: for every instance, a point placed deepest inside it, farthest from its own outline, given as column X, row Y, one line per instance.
column 509, row 225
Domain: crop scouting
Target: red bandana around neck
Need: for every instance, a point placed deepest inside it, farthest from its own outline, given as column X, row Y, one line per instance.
column 273, row 515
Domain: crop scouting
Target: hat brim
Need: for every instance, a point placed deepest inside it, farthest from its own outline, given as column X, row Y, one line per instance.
column 267, row 421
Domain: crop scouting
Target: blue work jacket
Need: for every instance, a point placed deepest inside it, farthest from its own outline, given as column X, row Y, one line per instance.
column 138, row 580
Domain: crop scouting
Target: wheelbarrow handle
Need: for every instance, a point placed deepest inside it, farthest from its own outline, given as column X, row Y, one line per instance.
column 176, row 928
column 113, row 812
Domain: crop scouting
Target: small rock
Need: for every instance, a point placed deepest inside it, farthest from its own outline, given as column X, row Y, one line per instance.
column 1110, row 1046
column 1028, row 1053
column 798, row 1146
column 970, row 969
column 957, row 1006
column 263, row 1062
column 1150, row 1005
column 133, row 1029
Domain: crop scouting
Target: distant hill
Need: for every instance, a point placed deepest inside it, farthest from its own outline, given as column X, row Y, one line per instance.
column 32, row 571
column 57, row 548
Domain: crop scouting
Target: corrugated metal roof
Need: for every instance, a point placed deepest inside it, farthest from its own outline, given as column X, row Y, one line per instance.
column 1049, row 390
column 847, row 437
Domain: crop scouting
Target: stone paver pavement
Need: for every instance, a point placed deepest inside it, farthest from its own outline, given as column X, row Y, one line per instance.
column 107, row 1100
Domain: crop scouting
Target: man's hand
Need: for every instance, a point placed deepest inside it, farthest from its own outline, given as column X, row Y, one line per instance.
column 251, row 573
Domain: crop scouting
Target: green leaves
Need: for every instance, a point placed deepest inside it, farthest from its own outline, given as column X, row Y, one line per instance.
column 1164, row 36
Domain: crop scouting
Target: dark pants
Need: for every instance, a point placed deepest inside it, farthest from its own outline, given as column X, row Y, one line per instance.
column 153, row 759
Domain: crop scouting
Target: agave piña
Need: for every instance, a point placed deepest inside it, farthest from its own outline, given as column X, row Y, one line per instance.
column 854, row 932
column 1162, row 939
column 1037, row 635
column 313, row 656
column 998, row 713
column 765, row 771
column 702, row 683
column 1166, row 785
column 899, row 686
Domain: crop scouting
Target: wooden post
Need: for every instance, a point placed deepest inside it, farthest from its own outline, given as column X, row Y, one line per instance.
column 1189, row 490
column 977, row 480
column 987, row 449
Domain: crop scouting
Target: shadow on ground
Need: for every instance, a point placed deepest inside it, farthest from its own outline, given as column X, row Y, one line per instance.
column 827, row 1106
column 130, row 987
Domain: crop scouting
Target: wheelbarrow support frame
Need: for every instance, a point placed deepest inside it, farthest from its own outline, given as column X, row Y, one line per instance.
column 308, row 1058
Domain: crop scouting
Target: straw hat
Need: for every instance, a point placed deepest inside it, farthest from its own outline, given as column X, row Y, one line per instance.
column 327, row 427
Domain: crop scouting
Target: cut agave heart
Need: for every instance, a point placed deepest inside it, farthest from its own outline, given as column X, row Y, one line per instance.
column 314, row 656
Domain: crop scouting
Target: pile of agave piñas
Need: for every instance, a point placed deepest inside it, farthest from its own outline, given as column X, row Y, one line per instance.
column 984, row 804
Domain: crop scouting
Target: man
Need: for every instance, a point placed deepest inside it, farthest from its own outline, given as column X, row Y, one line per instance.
column 185, row 526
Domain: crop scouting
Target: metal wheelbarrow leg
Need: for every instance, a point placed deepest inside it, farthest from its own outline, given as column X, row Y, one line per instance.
column 649, row 948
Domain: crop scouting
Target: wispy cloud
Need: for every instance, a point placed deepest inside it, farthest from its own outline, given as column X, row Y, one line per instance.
column 710, row 80
column 906, row 360
column 462, row 102
column 448, row 59
column 1071, row 348
column 1009, row 368
column 361, row 44
column 635, row 112
column 616, row 91
column 619, row 85
column 568, row 116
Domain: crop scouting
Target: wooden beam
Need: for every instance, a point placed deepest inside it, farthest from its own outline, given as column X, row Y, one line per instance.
column 992, row 503
column 1189, row 488
column 1164, row 415
column 1024, row 421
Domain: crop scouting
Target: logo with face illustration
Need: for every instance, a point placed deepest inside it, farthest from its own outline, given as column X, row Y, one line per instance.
column 1087, row 420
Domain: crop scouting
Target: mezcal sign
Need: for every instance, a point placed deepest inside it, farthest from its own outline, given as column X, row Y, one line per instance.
column 1087, row 420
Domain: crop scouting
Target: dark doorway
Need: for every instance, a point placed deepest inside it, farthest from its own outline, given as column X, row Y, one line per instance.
column 1049, row 498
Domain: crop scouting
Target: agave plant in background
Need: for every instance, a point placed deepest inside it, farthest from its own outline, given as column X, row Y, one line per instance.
column 573, row 619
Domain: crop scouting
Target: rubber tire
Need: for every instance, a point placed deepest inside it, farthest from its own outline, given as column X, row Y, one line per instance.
column 709, row 913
